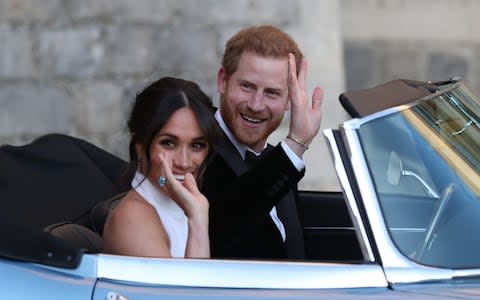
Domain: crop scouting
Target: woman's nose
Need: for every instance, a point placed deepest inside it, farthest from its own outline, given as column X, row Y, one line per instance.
column 182, row 158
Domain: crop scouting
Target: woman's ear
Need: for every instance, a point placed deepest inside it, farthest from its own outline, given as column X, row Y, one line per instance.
column 140, row 152
column 138, row 149
column 140, row 157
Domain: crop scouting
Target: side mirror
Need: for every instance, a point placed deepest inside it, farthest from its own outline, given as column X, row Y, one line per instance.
column 394, row 170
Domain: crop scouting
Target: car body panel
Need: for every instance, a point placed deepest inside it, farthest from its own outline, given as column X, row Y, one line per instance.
column 23, row 280
column 123, row 292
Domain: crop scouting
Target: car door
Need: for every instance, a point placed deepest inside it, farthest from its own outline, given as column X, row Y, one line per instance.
column 138, row 278
column 327, row 227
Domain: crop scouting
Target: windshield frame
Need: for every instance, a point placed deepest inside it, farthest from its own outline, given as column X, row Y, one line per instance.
column 398, row 267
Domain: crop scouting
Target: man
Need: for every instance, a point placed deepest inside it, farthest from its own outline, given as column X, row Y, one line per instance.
column 252, row 208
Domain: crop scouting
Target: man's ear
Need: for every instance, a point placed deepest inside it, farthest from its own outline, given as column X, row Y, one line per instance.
column 222, row 80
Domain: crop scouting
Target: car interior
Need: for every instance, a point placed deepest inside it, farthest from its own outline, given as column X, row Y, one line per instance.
column 66, row 187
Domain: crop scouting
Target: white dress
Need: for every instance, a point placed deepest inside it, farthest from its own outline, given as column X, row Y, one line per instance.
column 172, row 216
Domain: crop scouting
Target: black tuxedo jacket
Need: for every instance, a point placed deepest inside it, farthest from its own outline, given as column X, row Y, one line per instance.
column 241, row 201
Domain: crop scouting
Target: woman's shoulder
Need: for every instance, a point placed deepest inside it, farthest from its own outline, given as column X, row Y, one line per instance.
column 131, row 207
column 132, row 204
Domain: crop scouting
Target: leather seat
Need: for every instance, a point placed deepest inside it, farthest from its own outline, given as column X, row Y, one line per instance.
column 77, row 235
column 101, row 211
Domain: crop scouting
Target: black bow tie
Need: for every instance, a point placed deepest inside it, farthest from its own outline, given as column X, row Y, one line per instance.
column 251, row 158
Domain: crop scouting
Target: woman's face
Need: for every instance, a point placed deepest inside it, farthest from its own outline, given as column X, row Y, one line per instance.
column 183, row 143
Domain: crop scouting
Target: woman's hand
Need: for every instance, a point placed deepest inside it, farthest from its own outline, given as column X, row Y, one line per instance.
column 187, row 196
column 194, row 205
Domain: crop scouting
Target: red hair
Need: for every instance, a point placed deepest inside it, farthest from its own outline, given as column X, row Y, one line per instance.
column 265, row 40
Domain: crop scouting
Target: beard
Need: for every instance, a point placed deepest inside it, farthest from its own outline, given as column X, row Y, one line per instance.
column 255, row 138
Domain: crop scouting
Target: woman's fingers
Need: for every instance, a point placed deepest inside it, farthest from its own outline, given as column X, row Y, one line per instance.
column 165, row 169
column 191, row 184
column 186, row 194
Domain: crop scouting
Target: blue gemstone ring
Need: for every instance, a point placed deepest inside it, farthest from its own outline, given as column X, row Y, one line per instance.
column 162, row 181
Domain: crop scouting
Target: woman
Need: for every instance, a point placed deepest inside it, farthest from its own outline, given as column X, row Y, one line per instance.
column 164, row 215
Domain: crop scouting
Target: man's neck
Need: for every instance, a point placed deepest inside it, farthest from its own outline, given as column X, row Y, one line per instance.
column 241, row 148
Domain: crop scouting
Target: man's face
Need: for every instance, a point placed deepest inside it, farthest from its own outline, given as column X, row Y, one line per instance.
column 254, row 98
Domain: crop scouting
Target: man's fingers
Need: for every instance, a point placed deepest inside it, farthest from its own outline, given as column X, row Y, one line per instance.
column 302, row 75
column 294, row 85
column 292, row 67
column 317, row 98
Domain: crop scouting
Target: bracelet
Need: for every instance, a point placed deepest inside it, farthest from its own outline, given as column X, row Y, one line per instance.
column 297, row 141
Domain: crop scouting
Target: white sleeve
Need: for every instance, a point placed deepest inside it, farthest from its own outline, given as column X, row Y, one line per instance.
column 296, row 161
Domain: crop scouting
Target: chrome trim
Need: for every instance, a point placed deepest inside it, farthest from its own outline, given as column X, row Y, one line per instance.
column 328, row 228
column 239, row 274
column 357, row 122
column 407, row 229
column 365, row 244
column 466, row 273
column 416, row 273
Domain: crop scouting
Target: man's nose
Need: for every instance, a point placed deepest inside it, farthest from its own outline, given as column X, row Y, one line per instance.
column 256, row 102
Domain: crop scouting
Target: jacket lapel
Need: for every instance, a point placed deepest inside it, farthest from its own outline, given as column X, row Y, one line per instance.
column 229, row 153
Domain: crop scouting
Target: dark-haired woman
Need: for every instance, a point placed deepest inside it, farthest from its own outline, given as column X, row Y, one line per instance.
column 164, row 214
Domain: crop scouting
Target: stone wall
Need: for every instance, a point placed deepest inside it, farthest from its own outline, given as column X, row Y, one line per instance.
column 74, row 66
column 422, row 40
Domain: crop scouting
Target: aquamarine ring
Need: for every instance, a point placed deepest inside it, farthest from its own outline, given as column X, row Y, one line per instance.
column 162, row 181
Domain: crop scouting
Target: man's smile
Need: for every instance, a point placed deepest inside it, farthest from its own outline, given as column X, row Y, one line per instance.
column 251, row 119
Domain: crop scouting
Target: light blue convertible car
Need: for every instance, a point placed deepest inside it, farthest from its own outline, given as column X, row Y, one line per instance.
column 407, row 225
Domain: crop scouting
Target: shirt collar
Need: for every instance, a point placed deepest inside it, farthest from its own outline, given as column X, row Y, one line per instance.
column 241, row 148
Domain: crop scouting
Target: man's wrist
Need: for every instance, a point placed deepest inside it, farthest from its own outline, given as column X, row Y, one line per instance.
column 295, row 147
column 296, row 140
column 292, row 154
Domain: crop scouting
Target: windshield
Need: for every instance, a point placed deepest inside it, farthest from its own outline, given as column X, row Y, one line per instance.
column 425, row 165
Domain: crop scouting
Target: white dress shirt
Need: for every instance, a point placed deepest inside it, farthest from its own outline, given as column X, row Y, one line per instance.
column 242, row 149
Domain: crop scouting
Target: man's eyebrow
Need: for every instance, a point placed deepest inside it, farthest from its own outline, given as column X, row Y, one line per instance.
column 246, row 81
column 275, row 90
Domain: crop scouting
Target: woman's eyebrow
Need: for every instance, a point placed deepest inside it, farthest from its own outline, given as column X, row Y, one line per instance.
column 170, row 135
column 201, row 138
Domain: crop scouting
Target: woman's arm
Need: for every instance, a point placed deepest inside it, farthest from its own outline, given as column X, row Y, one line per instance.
column 135, row 229
column 198, row 243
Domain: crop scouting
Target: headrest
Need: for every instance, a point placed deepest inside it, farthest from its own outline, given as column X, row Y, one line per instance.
column 77, row 236
column 101, row 211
